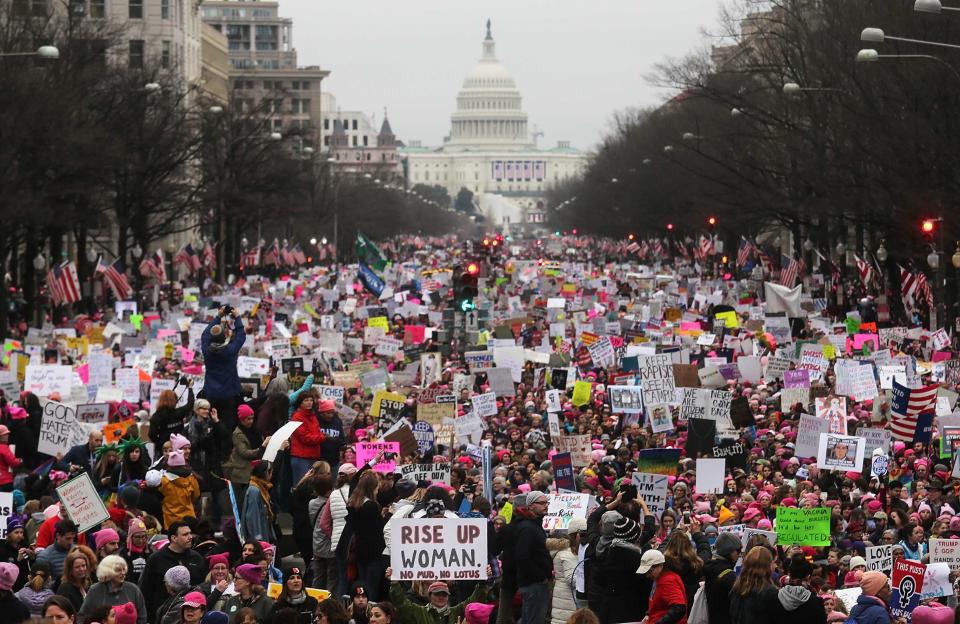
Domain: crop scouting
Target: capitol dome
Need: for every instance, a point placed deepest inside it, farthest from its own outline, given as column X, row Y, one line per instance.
column 489, row 111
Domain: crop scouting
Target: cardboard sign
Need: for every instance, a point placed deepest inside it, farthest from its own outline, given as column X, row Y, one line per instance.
column 429, row 473
column 945, row 551
column 936, row 581
column 652, row 488
column 658, row 461
column 93, row 413
column 387, row 405
column 880, row 558
column 435, row 413
column 806, row 527
column 6, row 509
column 479, row 360
column 656, row 379
column 581, row 393
column 331, row 393
column 252, row 367
column 710, row 474
column 82, row 503
column 385, row 452
column 563, row 508
column 438, row 549
column 808, row 435
column 840, row 453
column 553, row 401
column 579, row 447
column 625, row 399
column 58, row 429
column 907, row 584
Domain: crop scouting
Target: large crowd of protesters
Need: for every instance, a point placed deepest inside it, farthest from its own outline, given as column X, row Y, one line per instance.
column 202, row 528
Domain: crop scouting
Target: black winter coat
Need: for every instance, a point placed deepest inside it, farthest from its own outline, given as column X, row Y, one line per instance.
column 719, row 576
column 533, row 561
column 623, row 595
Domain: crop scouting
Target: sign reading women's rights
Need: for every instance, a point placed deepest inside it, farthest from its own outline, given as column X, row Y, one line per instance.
column 438, row 549
column 386, row 454
column 806, row 527
column 82, row 503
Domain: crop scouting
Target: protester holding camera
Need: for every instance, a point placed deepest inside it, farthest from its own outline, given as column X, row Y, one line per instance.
column 221, row 385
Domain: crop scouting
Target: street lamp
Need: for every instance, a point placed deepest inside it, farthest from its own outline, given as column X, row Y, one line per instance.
column 244, row 242
column 45, row 52
column 91, row 255
column 151, row 87
column 876, row 35
column 308, row 150
column 933, row 259
column 869, row 55
column 689, row 136
column 736, row 112
column 323, row 241
column 807, row 245
column 841, row 249
column 667, row 149
column 313, row 240
column 275, row 136
column 931, row 6
column 882, row 254
column 956, row 257
column 216, row 110
column 39, row 262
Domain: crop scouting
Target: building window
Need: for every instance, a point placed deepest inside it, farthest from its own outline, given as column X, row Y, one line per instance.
column 165, row 54
column 368, row 156
column 326, row 140
column 300, row 106
column 165, row 9
column 354, row 124
column 326, row 124
column 365, row 143
column 277, row 124
column 135, row 9
column 305, row 85
column 135, row 56
column 98, row 8
column 354, row 137
column 276, row 106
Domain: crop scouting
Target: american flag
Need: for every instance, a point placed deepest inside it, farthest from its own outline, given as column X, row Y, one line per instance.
column 744, row 252
column 115, row 277
column 914, row 288
column 682, row 250
column 657, row 247
column 867, row 274
column 298, row 256
column 906, row 405
column 790, row 270
column 633, row 247
column 706, row 247
column 271, row 255
column 209, row 255
column 644, row 250
column 64, row 284
column 834, row 269
column 154, row 266
column 286, row 256
column 188, row 258
column 250, row 258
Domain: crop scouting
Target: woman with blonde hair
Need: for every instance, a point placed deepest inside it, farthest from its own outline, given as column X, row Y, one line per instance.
column 112, row 589
column 76, row 578
column 753, row 596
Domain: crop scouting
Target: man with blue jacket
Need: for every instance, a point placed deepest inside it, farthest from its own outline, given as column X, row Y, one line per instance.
column 221, row 385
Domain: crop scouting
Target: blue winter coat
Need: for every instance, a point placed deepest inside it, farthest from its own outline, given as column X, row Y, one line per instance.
column 221, row 381
column 870, row 610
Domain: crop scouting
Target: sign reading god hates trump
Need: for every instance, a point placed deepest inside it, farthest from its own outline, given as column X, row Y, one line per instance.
column 438, row 549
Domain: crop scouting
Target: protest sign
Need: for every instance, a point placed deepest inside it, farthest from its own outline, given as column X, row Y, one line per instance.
column 553, row 401
column 748, row 532
column 434, row 413
column 83, row 505
column 563, row 471
column 719, row 408
column 625, row 399
column 652, row 488
column 6, row 509
column 485, row 404
column 128, row 382
column 93, row 413
column 278, row 438
column 907, row 583
column 840, row 453
column 880, row 558
column 469, row 427
column 387, row 405
column 581, row 393
column 428, row 473
column 579, row 447
column 332, row 393
column 806, row 527
column 936, row 582
column 479, row 360
column 874, row 439
column 501, row 382
column 834, row 410
column 734, row 454
column 252, row 367
column 385, row 453
column 438, row 549
column 157, row 387
column 656, row 378
column 710, row 474
column 58, row 429
column 46, row 379
column 808, row 435
column 563, row 508
column 694, row 404
column 945, row 551
column 658, row 461
column 423, row 434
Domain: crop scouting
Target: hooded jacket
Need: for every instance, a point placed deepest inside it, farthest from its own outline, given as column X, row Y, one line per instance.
column 179, row 488
column 307, row 438
column 870, row 610
column 719, row 576
column 622, row 594
column 221, row 381
column 799, row 605
column 564, row 564
column 33, row 600
column 533, row 562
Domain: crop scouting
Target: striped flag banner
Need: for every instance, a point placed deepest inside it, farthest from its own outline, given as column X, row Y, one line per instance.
column 790, row 270
column 906, row 406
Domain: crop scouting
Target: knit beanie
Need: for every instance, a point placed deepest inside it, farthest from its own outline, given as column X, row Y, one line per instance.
column 250, row 573
column 8, row 575
column 177, row 578
column 727, row 544
column 608, row 522
column 125, row 614
column 872, row 582
column 478, row 613
column 933, row 613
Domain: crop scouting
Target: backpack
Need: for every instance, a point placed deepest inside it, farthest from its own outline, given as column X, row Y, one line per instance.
column 699, row 614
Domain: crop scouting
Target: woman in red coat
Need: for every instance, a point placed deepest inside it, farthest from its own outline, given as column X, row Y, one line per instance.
column 8, row 461
column 306, row 439
column 668, row 605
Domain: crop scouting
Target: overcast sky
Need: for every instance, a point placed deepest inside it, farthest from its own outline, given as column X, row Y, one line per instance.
column 575, row 61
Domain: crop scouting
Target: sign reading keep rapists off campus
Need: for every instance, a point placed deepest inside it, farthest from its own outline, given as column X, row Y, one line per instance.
column 438, row 549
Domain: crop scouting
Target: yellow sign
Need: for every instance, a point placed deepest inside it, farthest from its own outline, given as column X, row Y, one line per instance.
column 274, row 589
column 310, row 310
column 581, row 392
column 729, row 318
column 378, row 321
column 507, row 512
column 390, row 400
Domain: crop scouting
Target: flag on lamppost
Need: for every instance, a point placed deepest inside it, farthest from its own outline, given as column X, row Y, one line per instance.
column 115, row 277
column 370, row 254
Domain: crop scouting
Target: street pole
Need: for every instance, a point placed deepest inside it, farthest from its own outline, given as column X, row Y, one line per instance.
column 336, row 229
column 941, row 278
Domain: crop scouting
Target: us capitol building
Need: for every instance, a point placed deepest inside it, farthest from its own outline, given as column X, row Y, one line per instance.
column 490, row 151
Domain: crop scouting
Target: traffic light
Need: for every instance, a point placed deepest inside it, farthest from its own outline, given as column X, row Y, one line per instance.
column 928, row 227
column 465, row 287
column 711, row 223
column 670, row 226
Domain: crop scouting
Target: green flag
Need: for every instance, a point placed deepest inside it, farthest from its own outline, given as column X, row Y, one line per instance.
column 368, row 252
